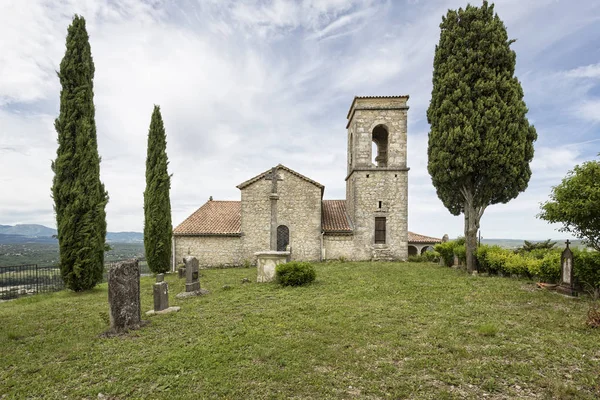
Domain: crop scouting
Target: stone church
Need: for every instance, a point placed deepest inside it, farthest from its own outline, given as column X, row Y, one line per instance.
column 282, row 209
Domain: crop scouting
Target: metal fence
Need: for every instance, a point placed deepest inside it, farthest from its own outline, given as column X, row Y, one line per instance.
column 20, row 280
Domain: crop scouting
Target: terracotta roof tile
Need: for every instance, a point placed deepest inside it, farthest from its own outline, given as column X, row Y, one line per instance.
column 416, row 238
column 334, row 217
column 213, row 218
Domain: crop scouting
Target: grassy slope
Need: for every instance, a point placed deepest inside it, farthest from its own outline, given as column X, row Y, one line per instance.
column 364, row 330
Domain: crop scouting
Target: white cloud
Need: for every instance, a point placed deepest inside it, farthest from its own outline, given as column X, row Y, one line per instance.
column 246, row 85
column 586, row 71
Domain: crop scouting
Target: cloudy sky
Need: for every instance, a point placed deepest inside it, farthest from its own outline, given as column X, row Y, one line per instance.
column 245, row 85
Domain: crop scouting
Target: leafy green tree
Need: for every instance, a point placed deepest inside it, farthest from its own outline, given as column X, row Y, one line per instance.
column 480, row 142
column 157, row 203
column 79, row 196
column 575, row 203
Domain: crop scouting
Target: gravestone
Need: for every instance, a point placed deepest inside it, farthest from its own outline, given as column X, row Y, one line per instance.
column 567, row 283
column 124, row 296
column 161, row 293
column 181, row 272
column 192, row 283
column 161, row 297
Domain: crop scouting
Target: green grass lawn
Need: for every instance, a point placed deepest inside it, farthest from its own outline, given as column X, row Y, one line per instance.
column 362, row 330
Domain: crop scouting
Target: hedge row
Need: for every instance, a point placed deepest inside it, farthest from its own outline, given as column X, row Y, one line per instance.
column 539, row 264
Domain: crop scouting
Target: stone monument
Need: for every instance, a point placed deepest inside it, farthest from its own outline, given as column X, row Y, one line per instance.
column 567, row 282
column 124, row 296
column 192, row 282
column 161, row 297
column 266, row 261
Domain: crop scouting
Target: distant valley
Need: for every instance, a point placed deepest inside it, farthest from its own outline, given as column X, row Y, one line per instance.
column 34, row 233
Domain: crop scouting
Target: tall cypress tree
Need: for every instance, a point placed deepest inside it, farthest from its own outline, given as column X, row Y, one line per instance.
column 79, row 195
column 481, row 142
column 157, row 202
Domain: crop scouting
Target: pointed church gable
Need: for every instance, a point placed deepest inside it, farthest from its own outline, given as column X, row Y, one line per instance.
column 283, row 167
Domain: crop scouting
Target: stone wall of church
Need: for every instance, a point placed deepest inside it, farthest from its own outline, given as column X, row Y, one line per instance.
column 338, row 246
column 298, row 207
column 211, row 251
column 256, row 218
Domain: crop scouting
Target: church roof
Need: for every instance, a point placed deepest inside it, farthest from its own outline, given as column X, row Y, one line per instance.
column 416, row 238
column 335, row 218
column 215, row 217
column 280, row 166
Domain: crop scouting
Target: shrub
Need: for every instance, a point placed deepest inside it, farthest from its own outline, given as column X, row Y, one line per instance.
column 587, row 268
column 295, row 273
column 446, row 252
column 550, row 267
column 431, row 256
column 460, row 251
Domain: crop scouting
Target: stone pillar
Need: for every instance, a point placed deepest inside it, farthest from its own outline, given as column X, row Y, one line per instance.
column 192, row 283
column 266, row 262
column 161, row 293
column 124, row 296
column 274, row 197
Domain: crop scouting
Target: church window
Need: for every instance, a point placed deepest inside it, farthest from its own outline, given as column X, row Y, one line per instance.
column 380, row 147
column 283, row 237
column 380, row 204
column 380, row 230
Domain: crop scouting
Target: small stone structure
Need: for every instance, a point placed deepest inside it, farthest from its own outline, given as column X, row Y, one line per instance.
column 567, row 283
column 266, row 263
column 181, row 272
column 161, row 297
column 192, row 281
column 124, row 296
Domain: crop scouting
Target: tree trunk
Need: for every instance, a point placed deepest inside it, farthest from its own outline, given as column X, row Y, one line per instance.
column 472, row 217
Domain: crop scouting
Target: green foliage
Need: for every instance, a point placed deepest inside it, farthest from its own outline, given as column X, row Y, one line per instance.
column 157, row 203
column 541, row 263
column 574, row 203
column 417, row 259
column 460, row 252
column 432, row 256
column 79, row 195
column 295, row 273
column 587, row 268
column 533, row 246
column 446, row 252
column 480, row 142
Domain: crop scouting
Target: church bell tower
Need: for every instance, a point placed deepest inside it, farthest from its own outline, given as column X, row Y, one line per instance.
column 377, row 178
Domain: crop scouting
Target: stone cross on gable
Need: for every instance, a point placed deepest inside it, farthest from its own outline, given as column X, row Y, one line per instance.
column 568, row 242
column 270, row 176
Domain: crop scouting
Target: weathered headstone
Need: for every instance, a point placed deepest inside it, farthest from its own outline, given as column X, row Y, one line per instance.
column 567, row 284
column 161, row 293
column 181, row 272
column 192, row 283
column 161, row 297
column 124, row 296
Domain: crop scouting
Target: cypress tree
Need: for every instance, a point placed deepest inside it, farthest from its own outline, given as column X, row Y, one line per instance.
column 480, row 142
column 157, row 202
column 79, row 195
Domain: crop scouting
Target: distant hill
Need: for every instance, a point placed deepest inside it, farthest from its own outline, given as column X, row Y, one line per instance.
column 33, row 233
column 31, row 230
